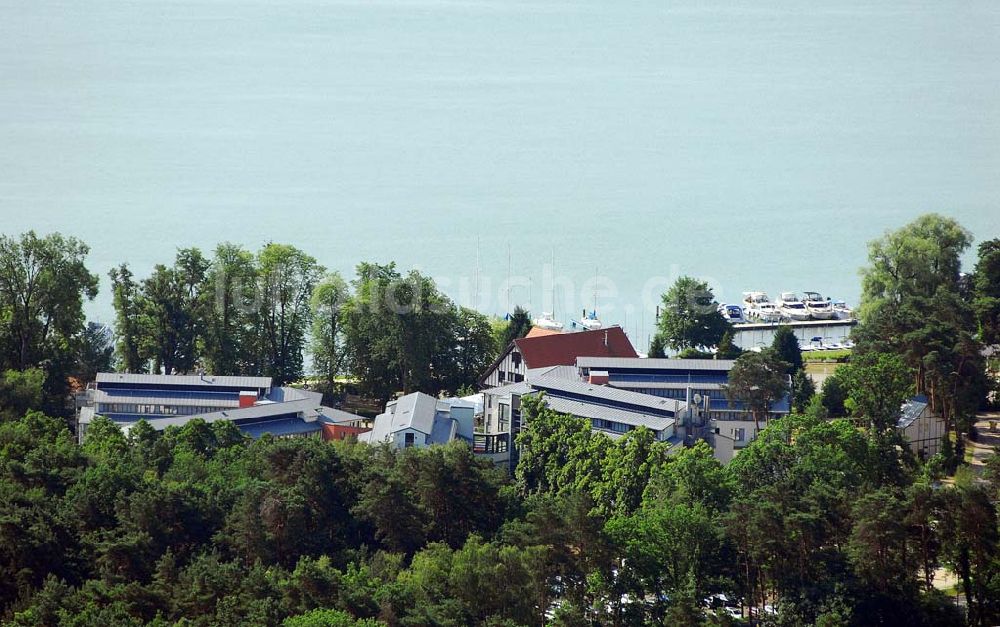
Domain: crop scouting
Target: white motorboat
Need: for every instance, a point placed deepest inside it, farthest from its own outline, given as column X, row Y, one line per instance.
column 818, row 307
column 590, row 321
column 791, row 307
column 759, row 307
column 547, row 321
column 732, row 313
column 768, row 312
column 842, row 311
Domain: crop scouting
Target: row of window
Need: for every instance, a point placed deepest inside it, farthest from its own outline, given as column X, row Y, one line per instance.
column 608, row 425
column 146, row 409
column 504, row 377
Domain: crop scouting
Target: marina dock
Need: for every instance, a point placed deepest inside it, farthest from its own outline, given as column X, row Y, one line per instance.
column 751, row 334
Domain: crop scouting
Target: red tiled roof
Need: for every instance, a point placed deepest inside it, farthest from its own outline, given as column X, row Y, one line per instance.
column 562, row 349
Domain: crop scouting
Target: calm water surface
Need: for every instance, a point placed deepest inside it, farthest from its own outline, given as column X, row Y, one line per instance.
column 755, row 144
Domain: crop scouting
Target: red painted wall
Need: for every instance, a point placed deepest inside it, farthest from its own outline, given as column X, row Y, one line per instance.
column 341, row 432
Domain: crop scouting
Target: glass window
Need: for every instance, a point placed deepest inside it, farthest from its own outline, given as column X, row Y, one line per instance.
column 503, row 418
column 407, row 440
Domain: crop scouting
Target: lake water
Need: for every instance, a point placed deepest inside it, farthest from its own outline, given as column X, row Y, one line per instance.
column 756, row 144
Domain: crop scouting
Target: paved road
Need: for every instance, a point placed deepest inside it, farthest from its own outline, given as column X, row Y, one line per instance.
column 988, row 440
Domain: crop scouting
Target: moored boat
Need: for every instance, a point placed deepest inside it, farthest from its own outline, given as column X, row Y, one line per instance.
column 842, row 311
column 732, row 313
column 791, row 307
column 759, row 308
column 547, row 321
column 589, row 321
column 818, row 307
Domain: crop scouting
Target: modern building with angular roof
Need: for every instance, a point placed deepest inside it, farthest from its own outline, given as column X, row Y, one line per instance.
column 554, row 349
column 418, row 420
column 250, row 403
column 609, row 410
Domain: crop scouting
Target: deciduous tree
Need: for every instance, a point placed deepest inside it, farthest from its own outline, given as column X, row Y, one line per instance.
column 690, row 316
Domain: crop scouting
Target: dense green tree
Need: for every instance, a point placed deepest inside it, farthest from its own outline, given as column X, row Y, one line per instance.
column 401, row 333
column 459, row 587
column 671, row 551
column 287, row 277
column 727, row 349
column 969, row 522
column 20, row 392
column 43, row 285
column 578, row 547
column 786, row 347
column 834, row 396
column 690, row 316
column 877, row 384
column 803, row 390
column 97, row 352
column 560, row 452
column 476, row 347
column 692, row 476
column 758, row 380
column 914, row 305
column 877, row 546
column 172, row 312
column 986, row 283
column 127, row 302
column 518, row 325
column 327, row 345
column 627, row 467
column 913, row 261
column 328, row 618
column 233, row 335
column 392, row 508
column 657, row 347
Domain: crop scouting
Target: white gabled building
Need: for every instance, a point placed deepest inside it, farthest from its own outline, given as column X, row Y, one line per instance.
column 418, row 420
column 922, row 429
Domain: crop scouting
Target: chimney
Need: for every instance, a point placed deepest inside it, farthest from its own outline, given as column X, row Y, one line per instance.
column 599, row 377
column 248, row 399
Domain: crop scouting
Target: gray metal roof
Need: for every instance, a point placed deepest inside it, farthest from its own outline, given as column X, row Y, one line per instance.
column 151, row 398
column 305, row 408
column 589, row 411
column 608, row 393
column 521, row 387
column 668, row 385
column 380, row 430
column 184, row 380
column 569, row 373
column 643, row 363
column 285, row 394
column 414, row 411
column 911, row 410
column 330, row 415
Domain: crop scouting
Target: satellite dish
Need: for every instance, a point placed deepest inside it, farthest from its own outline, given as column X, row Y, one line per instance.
column 697, row 399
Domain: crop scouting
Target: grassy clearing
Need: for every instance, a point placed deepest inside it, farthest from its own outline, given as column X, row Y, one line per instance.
column 821, row 356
